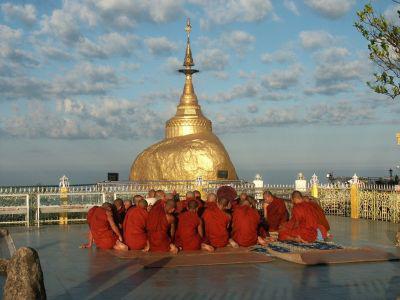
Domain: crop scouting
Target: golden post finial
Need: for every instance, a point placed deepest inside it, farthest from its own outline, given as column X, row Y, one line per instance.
column 188, row 61
column 188, row 28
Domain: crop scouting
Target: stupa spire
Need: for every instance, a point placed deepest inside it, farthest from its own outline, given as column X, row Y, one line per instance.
column 188, row 118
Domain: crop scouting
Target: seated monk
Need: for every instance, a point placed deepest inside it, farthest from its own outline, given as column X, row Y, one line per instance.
column 127, row 205
column 229, row 193
column 303, row 225
column 134, row 226
column 161, row 227
column 103, row 230
column 119, row 212
column 320, row 214
column 216, row 222
column 190, row 231
column 275, row 211
column 245, row 221
column 136, row 199
column 181, row 206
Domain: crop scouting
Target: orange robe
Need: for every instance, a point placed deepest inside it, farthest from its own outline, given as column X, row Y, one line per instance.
column 216, row 226
column 158, row 227
column 303, row 224
column 187, row 235
column 135, row 236
column 181, row 206
column 103, row 236
column 321, row 215
column 276, row 214
column 90, row 214
column 245, row 220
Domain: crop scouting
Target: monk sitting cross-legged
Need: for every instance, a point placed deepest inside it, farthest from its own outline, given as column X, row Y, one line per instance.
column 245, row 221
column 275, row 211
column 135, row 235
column 303, row 225
column 103, row 230
column 216, row 222
column 322, row 220
column 190, row 231
column 161, row 227
column 323, row 224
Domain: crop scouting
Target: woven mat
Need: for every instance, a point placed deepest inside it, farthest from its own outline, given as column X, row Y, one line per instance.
column 224, row 256
column 324, row 253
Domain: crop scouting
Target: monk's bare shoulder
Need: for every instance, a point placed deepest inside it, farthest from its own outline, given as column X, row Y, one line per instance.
column 170, row 218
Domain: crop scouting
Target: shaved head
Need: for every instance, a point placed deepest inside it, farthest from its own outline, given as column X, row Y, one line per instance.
column 297, row 197
column 142, row 203
column 118, row 203
column 107, row 205
column 189, row 195
column 169, row 196
column 137, row 198
column 197, row 194
column 192, row 205
column 127, row 203
column 223, row 202
column 152, row 193
column 170, row 203
column 170, row 206
column 160, row 194
column 211, row 197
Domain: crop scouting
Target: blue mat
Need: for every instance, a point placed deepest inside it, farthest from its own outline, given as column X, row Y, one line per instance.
column 294, row 247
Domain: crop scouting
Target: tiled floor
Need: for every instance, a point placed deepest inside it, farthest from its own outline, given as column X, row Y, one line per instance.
column 73, row 273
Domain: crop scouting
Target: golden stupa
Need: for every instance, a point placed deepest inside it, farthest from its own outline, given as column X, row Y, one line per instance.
column 190, row 148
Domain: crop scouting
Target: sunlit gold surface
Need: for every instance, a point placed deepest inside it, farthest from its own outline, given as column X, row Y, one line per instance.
column 183, row 158
column 189, row 149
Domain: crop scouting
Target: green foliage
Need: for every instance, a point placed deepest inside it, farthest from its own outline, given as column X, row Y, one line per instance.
column 384, row 50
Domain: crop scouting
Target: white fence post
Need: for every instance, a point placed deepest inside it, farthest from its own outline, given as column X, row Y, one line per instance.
column 103, row 196
column 27, row 211
column 38, row 210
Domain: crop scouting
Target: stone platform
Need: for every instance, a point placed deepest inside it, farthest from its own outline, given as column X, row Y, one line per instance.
column 73, row 273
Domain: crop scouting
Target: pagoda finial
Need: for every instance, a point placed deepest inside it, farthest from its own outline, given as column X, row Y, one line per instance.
column 188, row 62
column 188, row 28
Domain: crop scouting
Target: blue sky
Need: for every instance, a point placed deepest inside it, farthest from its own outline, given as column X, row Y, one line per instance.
column 86, row 85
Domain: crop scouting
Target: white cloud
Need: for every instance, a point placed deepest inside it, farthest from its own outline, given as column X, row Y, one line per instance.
column 227, row 11
column 239, row 40
column 160, row 45
column 131, row 12
column 332, row 54
column 248, row 90
column 212, row 59
column 280, row 56
column 25, row 13
column 315, row 39
column 391, row 14
column 173, row 64
column 283, row 79
column 75, row 119
column 335, row 72
column 331, row 9
column 290, row 5
column 330, row 89
column 55, row 53
column 7, row 34
column 108, row 45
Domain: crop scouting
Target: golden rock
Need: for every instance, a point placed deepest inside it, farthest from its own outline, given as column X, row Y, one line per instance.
column 190, row 149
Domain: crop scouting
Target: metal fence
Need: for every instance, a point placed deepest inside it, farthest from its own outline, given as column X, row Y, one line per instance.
column 39, row 205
